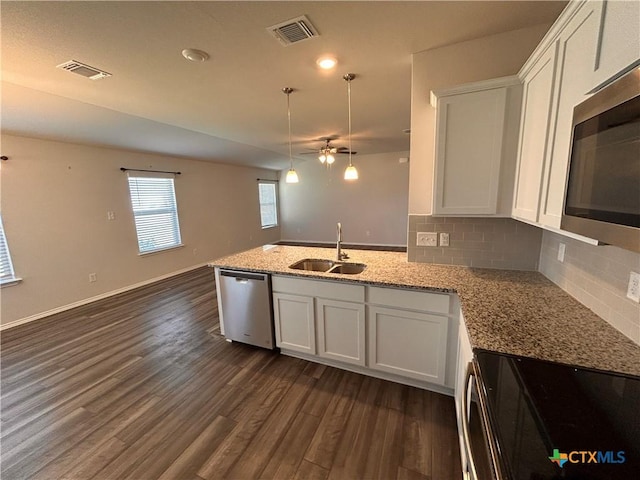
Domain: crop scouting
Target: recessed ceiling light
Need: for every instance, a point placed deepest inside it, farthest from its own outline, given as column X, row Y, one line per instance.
column 195, row 55
column 326, row 63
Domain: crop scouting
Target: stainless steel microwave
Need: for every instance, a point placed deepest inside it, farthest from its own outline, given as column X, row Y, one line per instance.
column 603, row 184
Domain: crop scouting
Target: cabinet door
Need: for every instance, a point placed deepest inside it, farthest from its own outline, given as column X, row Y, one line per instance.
column 620, row 39
column 340, row 329
column 294, row 322
column 411, row 344
column 533, row 148
column 469, row 139
column 574, row 79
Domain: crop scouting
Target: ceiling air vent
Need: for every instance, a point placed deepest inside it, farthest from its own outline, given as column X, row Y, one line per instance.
column 293, row 31
column 83, row 69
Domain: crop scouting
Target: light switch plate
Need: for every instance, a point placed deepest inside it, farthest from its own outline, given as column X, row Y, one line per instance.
column 444, row 239
column 633, row 291
column 427, row 239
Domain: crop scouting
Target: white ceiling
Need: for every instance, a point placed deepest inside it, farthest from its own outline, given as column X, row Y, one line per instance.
column 229, row 109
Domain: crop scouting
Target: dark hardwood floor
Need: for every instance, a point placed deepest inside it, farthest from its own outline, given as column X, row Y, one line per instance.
column 143, row 386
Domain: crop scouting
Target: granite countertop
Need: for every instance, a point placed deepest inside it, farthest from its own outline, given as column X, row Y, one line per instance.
column 507, row 311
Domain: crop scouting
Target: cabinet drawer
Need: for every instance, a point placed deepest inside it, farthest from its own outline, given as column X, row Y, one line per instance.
column 410, row 299
column 317, row 288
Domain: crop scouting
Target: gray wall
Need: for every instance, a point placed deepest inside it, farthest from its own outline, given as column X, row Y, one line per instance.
column 372, row 209
column 477, row 242
column 597, row 276
column 55, row 198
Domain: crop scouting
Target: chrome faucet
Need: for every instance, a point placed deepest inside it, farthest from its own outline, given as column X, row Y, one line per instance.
column 340, row 255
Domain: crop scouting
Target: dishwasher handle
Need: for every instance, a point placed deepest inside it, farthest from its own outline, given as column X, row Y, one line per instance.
column 243, row 277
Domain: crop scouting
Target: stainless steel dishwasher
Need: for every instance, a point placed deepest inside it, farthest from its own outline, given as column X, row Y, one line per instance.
column 246, row 307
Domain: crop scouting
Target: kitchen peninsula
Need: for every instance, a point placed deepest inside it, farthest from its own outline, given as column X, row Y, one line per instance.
column 514, row 312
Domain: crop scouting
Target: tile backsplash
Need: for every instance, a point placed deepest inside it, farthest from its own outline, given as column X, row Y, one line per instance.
column 597, row 276
column 501, row 243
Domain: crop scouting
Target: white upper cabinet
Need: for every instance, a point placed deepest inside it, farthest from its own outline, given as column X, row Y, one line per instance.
column 476, row 141
column 575, row 77
column 590, row 43
column 619, row 39
column 537, row 101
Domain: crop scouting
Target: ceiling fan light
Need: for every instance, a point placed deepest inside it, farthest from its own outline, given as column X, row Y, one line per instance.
column 330, row 159
column 292, row 176
column 322, row 158
column 351, row 173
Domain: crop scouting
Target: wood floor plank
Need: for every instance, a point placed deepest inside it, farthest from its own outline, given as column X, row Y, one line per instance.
column 445, row 454
column 418, row 436
column 266, row 440
column 310, row 471
column 406, row 474
column 324, row 444
column 391, row 454
column 250, row 420
column 93, row 452
column 290, row 450
column 143, row 386
column 358, row 454
column 188, row 463
column 325, row 389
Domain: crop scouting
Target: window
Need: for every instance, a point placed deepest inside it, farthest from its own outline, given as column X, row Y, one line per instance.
column 268, row 204
column 155, row 212
column 7, row 274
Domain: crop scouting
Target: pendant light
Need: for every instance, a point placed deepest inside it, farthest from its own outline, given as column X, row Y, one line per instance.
column 292, row 176
column 350, row 173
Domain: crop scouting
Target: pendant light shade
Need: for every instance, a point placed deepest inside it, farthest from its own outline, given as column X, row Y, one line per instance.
column 350, row 173
column 292, row 176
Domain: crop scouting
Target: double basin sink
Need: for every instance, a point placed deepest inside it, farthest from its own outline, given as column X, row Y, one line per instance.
column 329, row 266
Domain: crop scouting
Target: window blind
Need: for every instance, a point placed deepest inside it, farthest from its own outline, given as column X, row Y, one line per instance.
column 155, row 211
column 268, row 204
column 6, row 267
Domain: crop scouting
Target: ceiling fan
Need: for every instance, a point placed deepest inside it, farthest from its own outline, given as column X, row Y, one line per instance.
column 326, row 153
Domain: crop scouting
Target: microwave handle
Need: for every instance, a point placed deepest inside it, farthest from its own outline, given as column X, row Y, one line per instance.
column 465, row 421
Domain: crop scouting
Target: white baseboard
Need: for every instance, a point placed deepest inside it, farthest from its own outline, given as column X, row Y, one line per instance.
column 79, row 303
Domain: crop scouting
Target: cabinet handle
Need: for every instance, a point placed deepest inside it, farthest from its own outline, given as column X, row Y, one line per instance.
column 465, row 423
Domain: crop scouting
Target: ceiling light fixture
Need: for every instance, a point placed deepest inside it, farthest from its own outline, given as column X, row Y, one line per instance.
column 292, row 176
column 350, row 173
column 326, row 154
column 326, row 63
column 194, row 55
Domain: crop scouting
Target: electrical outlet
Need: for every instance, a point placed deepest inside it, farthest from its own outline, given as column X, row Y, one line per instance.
column 111, row 215
column 93, row 277
column 444, row 239
column 427, row 239
column 633, row 291
column 561, row 248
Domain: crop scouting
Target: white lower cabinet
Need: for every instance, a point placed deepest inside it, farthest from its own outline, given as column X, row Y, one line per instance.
column 407, row 343
column 294, row 322
column 386, row 332
column 341, row 330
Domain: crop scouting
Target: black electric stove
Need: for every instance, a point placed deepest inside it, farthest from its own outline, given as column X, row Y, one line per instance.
column 553, row 421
